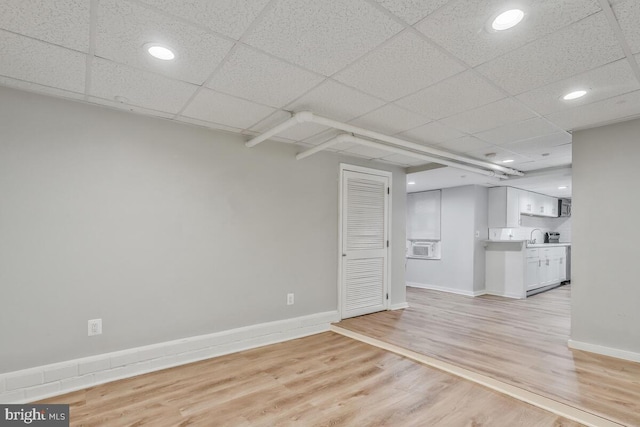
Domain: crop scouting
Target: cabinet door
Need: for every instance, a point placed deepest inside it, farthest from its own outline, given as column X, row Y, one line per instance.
column 563, row 268
column 513, row 207
column 562, row 260
column 554, row 270
column 526, row 202
column 531, row 274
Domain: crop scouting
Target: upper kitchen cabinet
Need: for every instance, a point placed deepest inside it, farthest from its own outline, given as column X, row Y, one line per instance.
column 507, row 203
column 504, row 207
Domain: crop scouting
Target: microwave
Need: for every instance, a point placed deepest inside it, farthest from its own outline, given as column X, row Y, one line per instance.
column 564, row 207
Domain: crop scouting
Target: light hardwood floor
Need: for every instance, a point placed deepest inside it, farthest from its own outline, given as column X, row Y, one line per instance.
column 322, row 380
column 520, row 342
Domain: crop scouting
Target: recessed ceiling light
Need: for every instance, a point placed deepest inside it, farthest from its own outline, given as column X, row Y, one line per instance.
column 411, row 183
column 508, row 161
column 574, row 95
column 507, row 19
column 562, row 187
column 159, row 51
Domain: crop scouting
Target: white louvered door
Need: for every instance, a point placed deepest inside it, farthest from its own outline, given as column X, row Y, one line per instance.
column 364, row 243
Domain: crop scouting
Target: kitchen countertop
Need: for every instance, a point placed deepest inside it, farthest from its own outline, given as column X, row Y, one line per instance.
column 531, row 245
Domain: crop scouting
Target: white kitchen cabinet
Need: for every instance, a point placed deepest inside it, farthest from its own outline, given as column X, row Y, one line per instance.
column 526, row 202
column 504, row 207
column 532, row 270
column 513, row 269
column 544, row 267
column 506, row 204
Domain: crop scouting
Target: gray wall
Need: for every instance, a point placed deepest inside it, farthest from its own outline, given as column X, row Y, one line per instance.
column 461, row 268
column 605, row 300
column 163, row 230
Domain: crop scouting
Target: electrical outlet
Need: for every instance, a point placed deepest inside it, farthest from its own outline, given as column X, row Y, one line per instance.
column 477, row 233
column 289, row 299
column 95, row 327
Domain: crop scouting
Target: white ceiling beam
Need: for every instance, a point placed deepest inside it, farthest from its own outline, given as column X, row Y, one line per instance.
column 435, row 155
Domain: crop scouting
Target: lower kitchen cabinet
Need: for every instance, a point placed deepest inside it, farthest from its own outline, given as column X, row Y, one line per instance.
column 513, row 269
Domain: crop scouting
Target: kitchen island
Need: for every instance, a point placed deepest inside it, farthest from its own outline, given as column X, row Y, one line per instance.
column 517, row 269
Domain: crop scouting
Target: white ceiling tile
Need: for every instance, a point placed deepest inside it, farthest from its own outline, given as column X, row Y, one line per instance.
column 127, row 107
column 500, row 155
column 208, row 124
column 63, row 22
column 432, row 133
column 224, row 109
column 465, row 144
column 323, row 36
column 336, row 101
column 401, row 66
column 389, row 119
column 142, row 88
column 34, row 61
column 513, row 132
column 364, row 151
column 412, row 11
column 580, row 47
column 228, row 17
column 618, row 108
column 604, row 82
column 389, row 162
column 628, row 14
column 124, row 28
column 544, row 164
column 34, row 87
column 459, row 93
column 540, row 145
column 403, row 160
column 461, row 25
column 489, row 116
column 259, row 77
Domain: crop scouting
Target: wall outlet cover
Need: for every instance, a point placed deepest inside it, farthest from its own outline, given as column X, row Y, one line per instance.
column 95, row 327
column 290, row 299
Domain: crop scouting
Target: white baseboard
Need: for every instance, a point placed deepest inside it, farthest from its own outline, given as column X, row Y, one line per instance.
column 46, row 381
column 498, row 294
column 399, row 306
column 445, row 289
column 605, row 351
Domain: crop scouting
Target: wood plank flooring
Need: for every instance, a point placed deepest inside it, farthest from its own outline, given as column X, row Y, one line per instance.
column 520, row 342
column 322, row 380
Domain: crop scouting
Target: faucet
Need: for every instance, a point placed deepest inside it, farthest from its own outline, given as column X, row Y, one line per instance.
column 531, row 239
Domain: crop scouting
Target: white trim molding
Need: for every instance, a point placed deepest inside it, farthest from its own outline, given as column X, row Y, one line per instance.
column 605, row 351
column 558, row 408
column 46, row 381
column 445, row 289
column 399, row 306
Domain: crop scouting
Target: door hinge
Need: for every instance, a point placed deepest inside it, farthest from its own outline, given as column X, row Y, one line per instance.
column 387, row 295
column 387, row 243
column 388, row 190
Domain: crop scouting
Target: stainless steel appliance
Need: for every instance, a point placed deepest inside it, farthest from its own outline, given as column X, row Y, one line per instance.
column 552, row 237
column 564, row 207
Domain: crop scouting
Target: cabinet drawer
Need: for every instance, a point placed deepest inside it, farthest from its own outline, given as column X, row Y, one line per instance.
column 532, row 253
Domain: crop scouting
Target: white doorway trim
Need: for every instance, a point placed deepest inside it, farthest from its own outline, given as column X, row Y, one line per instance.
column 388, row 273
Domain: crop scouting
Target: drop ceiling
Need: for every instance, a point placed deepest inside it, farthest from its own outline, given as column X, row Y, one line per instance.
column 426, row 71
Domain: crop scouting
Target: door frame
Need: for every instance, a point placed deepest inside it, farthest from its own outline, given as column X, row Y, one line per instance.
column 369, row 171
